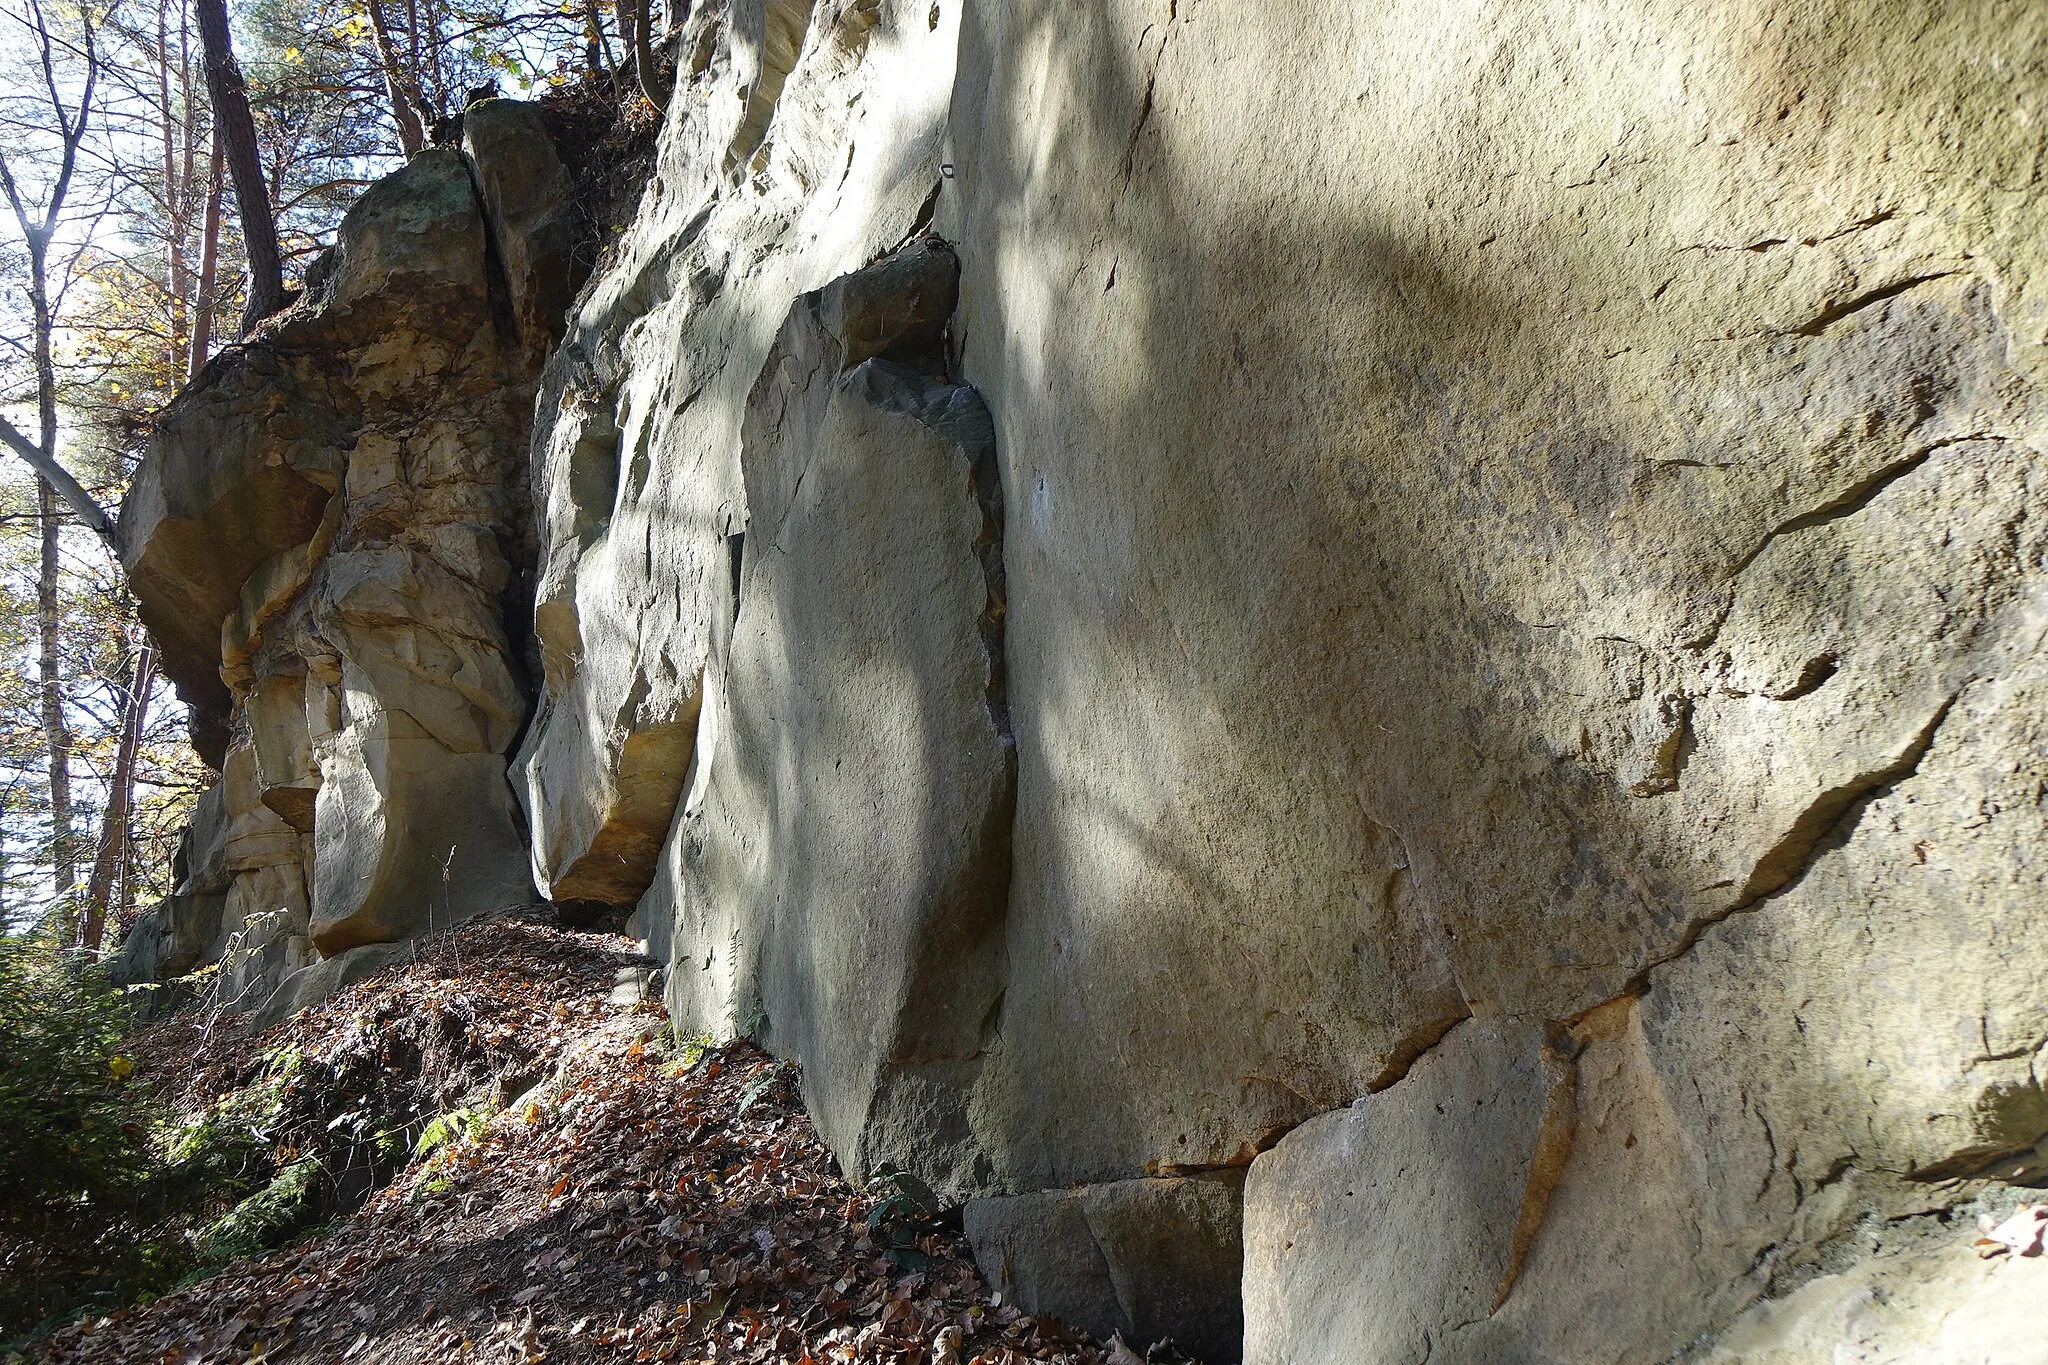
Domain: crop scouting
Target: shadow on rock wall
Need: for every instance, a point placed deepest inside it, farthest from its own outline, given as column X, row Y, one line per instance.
column 1491, row 499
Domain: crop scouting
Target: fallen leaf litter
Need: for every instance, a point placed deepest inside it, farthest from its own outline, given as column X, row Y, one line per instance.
column 623, row 1206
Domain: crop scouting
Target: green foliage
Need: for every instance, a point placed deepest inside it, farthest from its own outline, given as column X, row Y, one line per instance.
column 760, row 1085
column 103, row 1197
column 74, row 1143
column 68, row 1132
column 456, row 1126
column 444, row 1133
column 689, row 1051
column 269, row 1218
column 907, row 1212
column 224, row 1151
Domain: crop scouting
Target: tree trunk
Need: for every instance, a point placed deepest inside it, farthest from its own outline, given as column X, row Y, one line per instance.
column 652, row 83
column 177, row 191
column 412, row 133
column 433, row 77
column 235, row 131
column 209, row 264
column 593, row 40
column 113, row 843
column 56, row 732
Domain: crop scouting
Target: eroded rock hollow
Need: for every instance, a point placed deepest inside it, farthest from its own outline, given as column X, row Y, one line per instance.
column 1372, row 674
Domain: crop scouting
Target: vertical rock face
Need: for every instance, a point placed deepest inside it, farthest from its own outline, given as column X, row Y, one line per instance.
column 367, row 455
column 1441, row 603
column 637, row 484
column 849, row 857
column 1544, row 492
column 1520, row 523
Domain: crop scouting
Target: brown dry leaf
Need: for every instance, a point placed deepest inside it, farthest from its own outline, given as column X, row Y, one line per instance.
column 697, row 1230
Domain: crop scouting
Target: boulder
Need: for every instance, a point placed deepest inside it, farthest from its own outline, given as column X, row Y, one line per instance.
column 200, row 866
column 1516, row 600
column 411, row 246
column 600, row 843
column 193, row 529
column 412, row 836
column 176, row 936
column 143, row 949
column 313, row 983
column 1145, row 1258
column 268, row 945
column 287, row 773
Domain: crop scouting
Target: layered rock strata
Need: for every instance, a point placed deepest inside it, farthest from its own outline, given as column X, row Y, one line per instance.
column 329, row 535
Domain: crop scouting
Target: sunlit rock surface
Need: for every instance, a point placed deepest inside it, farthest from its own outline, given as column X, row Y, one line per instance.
column 1510, row 511
column 1444, row 618
column 374, row 443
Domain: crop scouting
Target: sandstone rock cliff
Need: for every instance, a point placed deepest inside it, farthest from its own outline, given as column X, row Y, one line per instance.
column 325, row 538
column 1441, row 626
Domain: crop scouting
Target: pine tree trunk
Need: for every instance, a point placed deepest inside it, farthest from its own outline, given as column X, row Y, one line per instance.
column 113, row 841
column 235, row 131
column 209, row 264
column 177, row 191
column 412, row 134
column 56, row 732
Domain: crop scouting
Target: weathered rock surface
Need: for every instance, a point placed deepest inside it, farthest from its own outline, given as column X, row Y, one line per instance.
column 1515, row 514
column 1925, row 1305
column 171, row 938
column 852, row 838
column 1518, row 602
column 240, row 899
column 637, row 481
column 315, row 981
column 529, row 203
column 1145, row 1258
column 361, row 645
column 1379, row 1231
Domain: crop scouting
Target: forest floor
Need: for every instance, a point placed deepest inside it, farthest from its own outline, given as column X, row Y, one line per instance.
column 593, row 1190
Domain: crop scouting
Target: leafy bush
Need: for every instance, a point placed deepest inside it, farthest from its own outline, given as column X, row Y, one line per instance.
column 103, row 1198
column 269, row 1218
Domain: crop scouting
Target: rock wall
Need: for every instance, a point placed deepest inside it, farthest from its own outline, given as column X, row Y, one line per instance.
column 1371, row 672
column 1518, row 629
column 329, row 536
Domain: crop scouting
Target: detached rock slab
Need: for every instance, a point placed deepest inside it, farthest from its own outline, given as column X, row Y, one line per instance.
column 529, row 201
column 311, row 984
column 854, row 835
column 1148, row 1258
